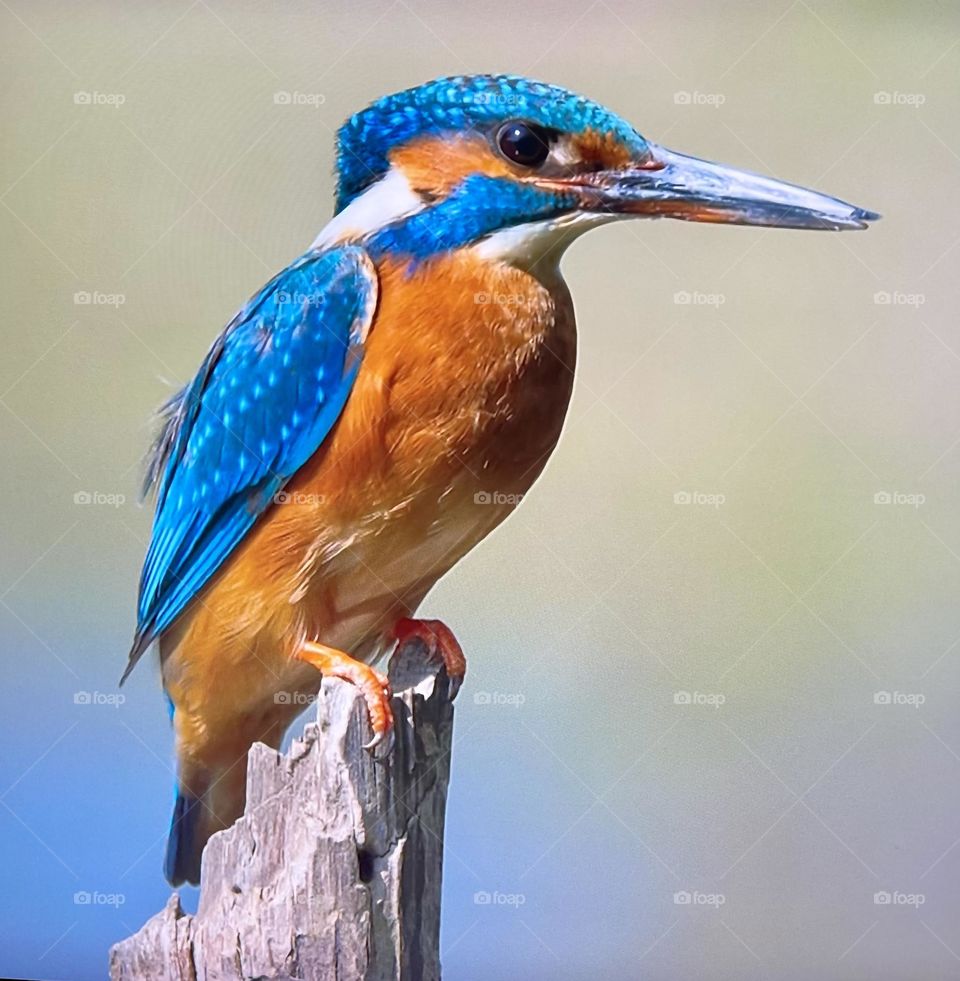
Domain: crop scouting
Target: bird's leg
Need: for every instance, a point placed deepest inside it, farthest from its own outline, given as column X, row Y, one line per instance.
column 438, row 638
column 373, row 685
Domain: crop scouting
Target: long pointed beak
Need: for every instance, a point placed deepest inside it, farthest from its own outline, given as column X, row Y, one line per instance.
column 673, row 185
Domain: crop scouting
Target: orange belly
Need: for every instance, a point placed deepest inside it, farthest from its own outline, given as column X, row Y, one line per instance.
column 460, row 399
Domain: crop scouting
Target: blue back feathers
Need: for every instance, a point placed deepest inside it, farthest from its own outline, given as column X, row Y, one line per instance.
column 267, row 394
column 458, row 103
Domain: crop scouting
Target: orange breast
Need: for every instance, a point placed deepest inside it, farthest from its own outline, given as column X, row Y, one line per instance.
column 461, row 396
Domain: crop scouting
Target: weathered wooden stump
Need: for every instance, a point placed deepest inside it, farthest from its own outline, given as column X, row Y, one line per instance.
column 334, row 870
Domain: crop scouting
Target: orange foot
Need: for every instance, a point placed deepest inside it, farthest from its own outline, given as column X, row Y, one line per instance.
column 440, row 643
column 373, row 685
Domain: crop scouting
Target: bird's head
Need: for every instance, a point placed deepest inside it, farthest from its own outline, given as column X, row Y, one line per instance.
column 517, row 166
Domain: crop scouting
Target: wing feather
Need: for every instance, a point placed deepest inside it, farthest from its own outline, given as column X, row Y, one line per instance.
column 266, row 396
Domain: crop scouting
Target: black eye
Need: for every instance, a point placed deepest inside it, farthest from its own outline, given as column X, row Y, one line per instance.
column 523, row 144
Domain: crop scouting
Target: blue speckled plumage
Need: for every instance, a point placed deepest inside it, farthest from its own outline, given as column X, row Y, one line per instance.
column 266, row 395
column 456, row 104
column 476, row 207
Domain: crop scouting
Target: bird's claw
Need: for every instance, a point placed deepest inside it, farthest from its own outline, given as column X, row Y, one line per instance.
column 377, row 694
column 440, row 643
column 381, row 744
column 373, row 685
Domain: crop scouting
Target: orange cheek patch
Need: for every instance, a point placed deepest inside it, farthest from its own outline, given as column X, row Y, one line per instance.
column 602, row 150
column 434, row 165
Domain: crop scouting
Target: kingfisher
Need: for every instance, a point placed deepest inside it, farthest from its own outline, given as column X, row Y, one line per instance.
column 332, row 457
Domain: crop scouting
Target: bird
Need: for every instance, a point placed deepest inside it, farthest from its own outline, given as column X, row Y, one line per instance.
column 335, row 454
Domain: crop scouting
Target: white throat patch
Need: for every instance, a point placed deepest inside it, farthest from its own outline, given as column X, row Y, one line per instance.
column 538, row 245
column 389, row 199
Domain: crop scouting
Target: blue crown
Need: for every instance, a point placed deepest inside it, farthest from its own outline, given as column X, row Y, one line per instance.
column 455, row 104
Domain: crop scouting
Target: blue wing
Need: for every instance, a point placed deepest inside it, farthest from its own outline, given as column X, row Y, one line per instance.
column 266, row 396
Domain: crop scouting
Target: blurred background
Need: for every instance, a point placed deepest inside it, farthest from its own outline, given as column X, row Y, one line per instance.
column 710, row 725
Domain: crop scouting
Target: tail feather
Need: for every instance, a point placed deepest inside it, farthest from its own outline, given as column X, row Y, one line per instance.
column 207, row 801
column 186, row 840
column 211, row 791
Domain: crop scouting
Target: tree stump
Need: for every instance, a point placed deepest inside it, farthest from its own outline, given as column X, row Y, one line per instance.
column 334, row 871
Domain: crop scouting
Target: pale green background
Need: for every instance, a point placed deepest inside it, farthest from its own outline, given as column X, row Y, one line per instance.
column 798, row 399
